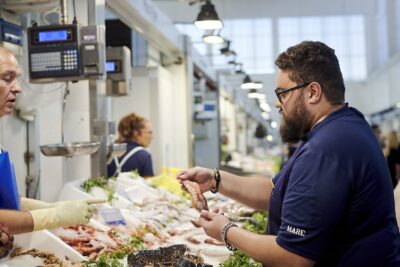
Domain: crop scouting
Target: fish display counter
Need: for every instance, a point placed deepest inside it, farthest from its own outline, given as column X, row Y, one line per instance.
column 140, row 223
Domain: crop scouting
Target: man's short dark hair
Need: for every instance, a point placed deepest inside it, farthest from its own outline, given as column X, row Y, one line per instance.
column 312, row 61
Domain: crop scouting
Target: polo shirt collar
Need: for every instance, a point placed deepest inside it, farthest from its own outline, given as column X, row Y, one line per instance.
column 329, row 118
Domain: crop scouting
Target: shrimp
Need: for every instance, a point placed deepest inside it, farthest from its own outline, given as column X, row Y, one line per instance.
column 199, row 202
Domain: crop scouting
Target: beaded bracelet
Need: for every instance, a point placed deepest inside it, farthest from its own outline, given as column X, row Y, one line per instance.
column 224, row 238
column 217, row 177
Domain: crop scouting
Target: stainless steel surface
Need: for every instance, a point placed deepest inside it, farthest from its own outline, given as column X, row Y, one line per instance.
column 189, row 105
column 63, row 11
column 32, row 179
column 98, row 103
column 70, row 149
column 99, row 130
column 66, row 93
column 116, row 150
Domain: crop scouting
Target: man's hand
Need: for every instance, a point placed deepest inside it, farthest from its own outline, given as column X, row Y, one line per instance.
column 213, row 222
column 202, row 176
column 64, row 214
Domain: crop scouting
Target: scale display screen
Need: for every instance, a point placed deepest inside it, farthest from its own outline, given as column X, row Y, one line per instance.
column 111, row 66
column 53, row 36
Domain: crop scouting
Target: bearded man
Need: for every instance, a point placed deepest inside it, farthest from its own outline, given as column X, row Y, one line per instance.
column 332, row 204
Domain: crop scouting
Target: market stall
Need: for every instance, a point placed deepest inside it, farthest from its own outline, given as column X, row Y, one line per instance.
column 144, row 222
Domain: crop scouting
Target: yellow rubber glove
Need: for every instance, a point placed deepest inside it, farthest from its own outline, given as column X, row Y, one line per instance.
column 33, row 204
column 28, row 204
column 64, row 214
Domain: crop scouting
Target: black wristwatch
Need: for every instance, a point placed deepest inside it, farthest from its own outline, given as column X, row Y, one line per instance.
column 217, row 177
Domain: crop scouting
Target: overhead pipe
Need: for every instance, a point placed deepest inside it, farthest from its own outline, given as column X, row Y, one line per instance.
column 63, row 11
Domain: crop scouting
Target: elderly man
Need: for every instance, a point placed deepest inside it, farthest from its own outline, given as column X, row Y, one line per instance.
column 332, row 204
column 36, row 215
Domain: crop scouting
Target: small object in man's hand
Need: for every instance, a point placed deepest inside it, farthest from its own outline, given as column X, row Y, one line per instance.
column 195, row 223
column 199, row 202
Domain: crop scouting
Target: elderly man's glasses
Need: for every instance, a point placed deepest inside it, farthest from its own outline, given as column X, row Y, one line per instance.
column 281, row 91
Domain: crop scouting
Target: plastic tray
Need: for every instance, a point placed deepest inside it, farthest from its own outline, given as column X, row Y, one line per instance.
column 44, row 241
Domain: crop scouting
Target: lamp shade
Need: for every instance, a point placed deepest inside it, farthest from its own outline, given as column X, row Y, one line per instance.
column 247, row 83
column 226, row 49
column 253, row 94
column 208, row 18
column 213, row 39
column 258, row 85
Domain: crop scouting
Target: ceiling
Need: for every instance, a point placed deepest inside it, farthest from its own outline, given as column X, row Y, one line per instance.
column 183, row 12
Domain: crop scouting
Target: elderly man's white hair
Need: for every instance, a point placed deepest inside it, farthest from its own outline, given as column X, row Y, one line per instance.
column 6, row 54
column 8, row 61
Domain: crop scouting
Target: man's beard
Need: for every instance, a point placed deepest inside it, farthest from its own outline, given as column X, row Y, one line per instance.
column 296, row 123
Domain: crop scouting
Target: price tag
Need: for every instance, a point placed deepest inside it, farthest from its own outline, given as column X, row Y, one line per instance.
column 112, row 216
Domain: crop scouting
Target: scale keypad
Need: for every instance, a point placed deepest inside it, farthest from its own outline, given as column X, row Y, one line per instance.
column 55, row 61
column 70, row 59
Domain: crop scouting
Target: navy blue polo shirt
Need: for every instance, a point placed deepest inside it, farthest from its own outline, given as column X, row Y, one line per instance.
column 140, row 161
column 333, row 201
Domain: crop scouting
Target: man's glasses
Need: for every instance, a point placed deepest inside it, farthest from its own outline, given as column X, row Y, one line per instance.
column 280, row 91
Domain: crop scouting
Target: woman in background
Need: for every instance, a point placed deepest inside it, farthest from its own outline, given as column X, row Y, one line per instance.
column 136, row 132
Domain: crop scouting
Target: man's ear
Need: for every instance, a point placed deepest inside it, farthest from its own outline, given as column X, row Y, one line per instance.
column 314, row 93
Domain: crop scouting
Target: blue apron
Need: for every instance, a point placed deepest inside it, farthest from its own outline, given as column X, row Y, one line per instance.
column 9, row 197
column 278, row 194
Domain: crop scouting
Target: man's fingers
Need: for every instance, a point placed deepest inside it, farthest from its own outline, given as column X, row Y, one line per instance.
column 91, row 210
column 96, row 201
column 181, row 175
column 217, row 210
column 208, row 215
column 203, row 222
